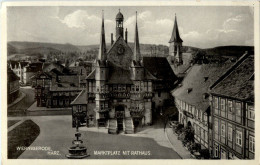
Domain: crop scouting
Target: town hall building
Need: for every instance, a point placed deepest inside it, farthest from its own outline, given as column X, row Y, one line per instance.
column 123, row 90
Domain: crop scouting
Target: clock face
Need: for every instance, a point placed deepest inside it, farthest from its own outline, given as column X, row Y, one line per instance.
column 120, row 49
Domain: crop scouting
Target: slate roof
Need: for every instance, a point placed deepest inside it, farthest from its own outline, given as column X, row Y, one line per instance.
column 160, row 68
column 82, row 98
column 194, row 88
column 34, row 67
column 13, row 63
column 119, row 16
column 180, row 70
column 65, row 87
column 23, row 64
column 238, row 83
column 11, row 76
column 175, row 33
column 118, row 75
column 91, row 76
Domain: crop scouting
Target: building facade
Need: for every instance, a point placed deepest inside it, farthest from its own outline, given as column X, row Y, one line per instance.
column 13, row 86
column 120, row 89
column 56, row 86
column 192, row 100
column 233, row 112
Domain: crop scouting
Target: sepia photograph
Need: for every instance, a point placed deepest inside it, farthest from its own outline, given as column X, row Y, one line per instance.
column 130, row 82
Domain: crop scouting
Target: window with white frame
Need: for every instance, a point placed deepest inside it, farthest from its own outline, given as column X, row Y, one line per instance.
column 239, row 138
column 230, row 106
column 251, row 143
column 223, row 130
column 238, row 109
column 251, row 113
column 222, row 104
column 230, row 132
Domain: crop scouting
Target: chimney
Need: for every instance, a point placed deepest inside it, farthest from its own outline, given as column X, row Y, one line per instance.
column 112, row 40
column 126, row 35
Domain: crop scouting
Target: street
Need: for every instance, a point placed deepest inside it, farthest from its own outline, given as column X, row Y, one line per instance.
column 56, row 132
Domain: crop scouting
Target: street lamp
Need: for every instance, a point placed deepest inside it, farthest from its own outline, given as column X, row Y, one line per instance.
column 77, row 150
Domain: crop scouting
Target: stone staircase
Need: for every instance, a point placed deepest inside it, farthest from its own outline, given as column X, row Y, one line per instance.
column 112, row 126
column 129, row 126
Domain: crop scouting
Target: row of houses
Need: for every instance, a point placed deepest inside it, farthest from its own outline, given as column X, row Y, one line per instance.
column 217, row 101
column 13, row 86
column 56, row 86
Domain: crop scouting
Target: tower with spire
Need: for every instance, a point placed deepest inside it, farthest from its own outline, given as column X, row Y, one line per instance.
column 102, row 69
column 137, row 69
column 176, row 44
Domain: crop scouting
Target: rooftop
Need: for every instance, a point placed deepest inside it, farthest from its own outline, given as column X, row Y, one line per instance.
column 238, row 82
column 82, row 98
column 195, row 85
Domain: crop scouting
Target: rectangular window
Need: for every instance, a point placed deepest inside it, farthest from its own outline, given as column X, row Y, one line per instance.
column 223, row 154
column 193, row 111
column 230, row 132
column 159, row 94
column 230, row 106
column 222, row 105
column 238, row 109
column 251, row 113
column 239, row 138
column 206, row 136
column 199, row 114
column 216, row 102
column 252, row 144
column 223, row 130
column 115, row 87
column 216, row 151
column 216, row 126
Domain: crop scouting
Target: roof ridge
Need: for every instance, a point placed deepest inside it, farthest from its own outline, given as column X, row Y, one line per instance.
column 230, row 70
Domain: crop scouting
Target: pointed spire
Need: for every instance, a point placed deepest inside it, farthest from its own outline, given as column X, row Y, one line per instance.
column 175, row 33
column 137, row 53
column 102, row 46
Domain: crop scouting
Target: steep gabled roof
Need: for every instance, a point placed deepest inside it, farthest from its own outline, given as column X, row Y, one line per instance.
column 118, row 75
column 194, row 88
column 92, row 75
column 11, row 76
column 238, row 81
column 82, row 98
column 159, row 67
column 175, row 33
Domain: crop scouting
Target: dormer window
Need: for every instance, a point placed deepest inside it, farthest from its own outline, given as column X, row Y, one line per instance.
column 205, row 95
column 205, row 79
column 189, row 90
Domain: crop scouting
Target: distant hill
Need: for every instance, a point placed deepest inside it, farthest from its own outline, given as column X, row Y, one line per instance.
column 228, row 50
column 19, row 50
column 32, row 47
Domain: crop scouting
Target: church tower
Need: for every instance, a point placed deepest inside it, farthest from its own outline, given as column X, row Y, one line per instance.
column 176, row 44
column 119, row 25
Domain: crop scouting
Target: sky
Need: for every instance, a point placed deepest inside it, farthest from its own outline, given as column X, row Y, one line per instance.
column 202, row 27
